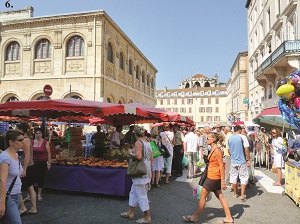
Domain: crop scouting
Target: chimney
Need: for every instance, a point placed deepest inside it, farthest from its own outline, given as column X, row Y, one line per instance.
column 165, row 89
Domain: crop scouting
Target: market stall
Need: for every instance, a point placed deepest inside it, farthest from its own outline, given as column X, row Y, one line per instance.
column 103, row 180
column 292, row 181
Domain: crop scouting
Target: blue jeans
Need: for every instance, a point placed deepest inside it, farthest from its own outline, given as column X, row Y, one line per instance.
column 12, row 214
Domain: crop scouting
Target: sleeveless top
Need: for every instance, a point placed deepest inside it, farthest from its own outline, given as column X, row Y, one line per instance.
column 21, row 154
column 213, row 169
column 40, row 153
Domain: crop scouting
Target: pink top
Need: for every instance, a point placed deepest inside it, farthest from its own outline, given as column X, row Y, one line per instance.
column 40, row 153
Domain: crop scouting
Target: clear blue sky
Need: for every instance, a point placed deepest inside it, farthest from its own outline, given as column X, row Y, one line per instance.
column 180, row 37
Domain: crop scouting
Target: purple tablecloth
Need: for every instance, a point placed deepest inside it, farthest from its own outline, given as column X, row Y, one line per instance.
column 110, row 181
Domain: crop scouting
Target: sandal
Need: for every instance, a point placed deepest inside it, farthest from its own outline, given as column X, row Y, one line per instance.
column 243, row 200
column 142, row 220
column 276, row 184
column 187, row 218
column 167, row 182
column 40, row 198
column 126, row 215
column 223, row 221
column 26, row 199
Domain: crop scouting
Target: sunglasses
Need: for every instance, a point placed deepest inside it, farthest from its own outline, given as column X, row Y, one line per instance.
column 218, row 127
column 20, row 140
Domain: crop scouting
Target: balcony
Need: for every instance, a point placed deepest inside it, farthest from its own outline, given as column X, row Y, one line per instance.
column 268, row 103
column 286, row 48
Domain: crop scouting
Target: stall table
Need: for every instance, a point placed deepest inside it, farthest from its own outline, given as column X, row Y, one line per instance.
column 292, row 182
column 103, row 180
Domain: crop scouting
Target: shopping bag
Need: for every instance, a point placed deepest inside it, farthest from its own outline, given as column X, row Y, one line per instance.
column 209, row 196
column 185, row 161
column 200, row 163
column 155, row 150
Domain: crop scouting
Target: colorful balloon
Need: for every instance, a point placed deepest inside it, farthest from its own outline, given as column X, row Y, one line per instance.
column 286, row 91
column 297, row 102
column 281, row 82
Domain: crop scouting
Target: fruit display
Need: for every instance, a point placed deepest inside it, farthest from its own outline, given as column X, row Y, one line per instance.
column 91, row 162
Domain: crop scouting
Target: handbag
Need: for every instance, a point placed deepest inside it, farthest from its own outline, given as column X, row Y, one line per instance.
column 137, row 168
column 7, row 195
column 204, row 174
column 155, row 149
column 165, row 152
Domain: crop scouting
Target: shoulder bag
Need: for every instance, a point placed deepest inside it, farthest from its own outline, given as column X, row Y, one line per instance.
column 165, row 152
column 137, row 168
column 204, row 174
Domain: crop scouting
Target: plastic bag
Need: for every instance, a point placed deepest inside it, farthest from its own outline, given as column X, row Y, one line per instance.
column 209, row 196
column 200, row 163
column 185, row 161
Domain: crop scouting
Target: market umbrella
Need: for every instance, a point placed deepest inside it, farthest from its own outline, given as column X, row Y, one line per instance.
column 54, row 108
column 271, row 118
column 162, row 115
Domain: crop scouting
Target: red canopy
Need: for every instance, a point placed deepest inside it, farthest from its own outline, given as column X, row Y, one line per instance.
column 73, row 107
column 162, row 115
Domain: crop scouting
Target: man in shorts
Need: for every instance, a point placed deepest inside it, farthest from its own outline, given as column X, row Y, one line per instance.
column 238, row 148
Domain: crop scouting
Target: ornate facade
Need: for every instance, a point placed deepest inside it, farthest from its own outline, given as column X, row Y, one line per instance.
column 201, row 98
column 82, row 55
column 273, row 47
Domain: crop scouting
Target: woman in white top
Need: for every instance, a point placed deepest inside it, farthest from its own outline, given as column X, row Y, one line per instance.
column 140, row 185
column 277, row 144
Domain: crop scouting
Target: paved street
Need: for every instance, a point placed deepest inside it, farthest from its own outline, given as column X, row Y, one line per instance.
column 168, row 204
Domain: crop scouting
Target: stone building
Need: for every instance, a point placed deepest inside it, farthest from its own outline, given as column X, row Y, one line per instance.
column 81, row 55
column 273, row 49
column 237, row 89
column 201, row 98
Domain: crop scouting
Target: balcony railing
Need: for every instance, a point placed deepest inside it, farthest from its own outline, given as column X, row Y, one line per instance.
column 268, row 103
column 287, row 47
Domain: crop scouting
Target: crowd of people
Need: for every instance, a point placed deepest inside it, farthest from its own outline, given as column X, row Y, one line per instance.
column 230, row 152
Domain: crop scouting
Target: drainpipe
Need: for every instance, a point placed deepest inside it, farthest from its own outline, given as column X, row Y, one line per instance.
column 95, row 65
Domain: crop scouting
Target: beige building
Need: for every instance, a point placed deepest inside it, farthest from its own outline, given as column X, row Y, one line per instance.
column 237, row 89
column 81, row 55
column 273, row 48
column 201, row 98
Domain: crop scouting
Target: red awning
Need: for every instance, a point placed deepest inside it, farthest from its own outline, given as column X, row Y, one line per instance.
column 270, row 111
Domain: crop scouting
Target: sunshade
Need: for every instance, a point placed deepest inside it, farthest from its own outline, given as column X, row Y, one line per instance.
column 73, row 107
column 162, row 115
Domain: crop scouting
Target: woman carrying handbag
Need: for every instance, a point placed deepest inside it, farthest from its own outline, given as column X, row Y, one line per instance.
column 11, row 169
column 214, row 182
column 140, row 185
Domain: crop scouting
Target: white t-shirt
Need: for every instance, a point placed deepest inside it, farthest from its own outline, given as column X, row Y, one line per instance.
column 115, row 137
column 192, row 142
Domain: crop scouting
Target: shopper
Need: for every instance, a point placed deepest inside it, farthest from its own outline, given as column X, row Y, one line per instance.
column 28, row 171
column 140, row 185
column 167, row 137
column 42, row 160
column 238, row 148
column 11, row 168
column 191, row 148
column 178, row 149
column 157, row 166
column 213, row 183
column 277, row 144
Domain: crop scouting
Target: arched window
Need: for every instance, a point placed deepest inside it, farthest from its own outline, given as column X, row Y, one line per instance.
column 75, row 47
column 130, row 67
column 187, row 85
column 110, row 53
column 13, row 51
column 12, row 98
column 151, row 83
column 137, row 73
column 43, row 49
column 207, row 84
column 197, row 84
column 148, row 80
column 108, row 100
column 143, row 77
column 43, row 98
column 76, row 97
column 121, row 61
